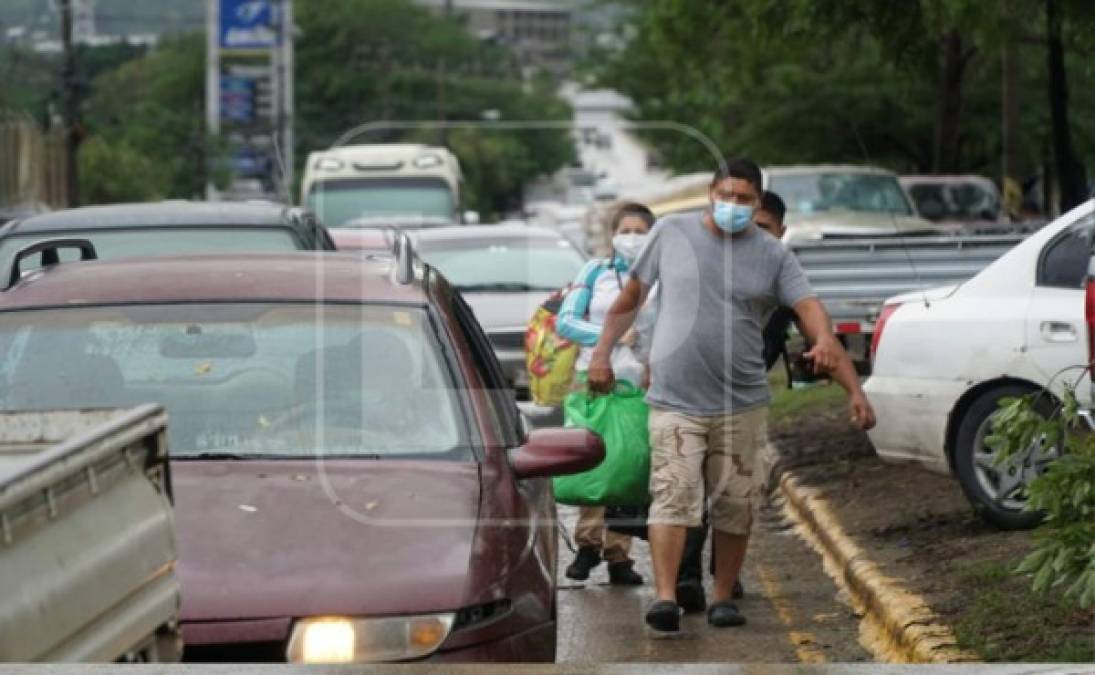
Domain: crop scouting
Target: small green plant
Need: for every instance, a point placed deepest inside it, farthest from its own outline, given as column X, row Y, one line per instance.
column 1064, row 556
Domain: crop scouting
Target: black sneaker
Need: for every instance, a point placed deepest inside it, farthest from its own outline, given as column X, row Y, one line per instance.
column 690, row 596
column 664, row 618
column 739, row 591
column 724, row 614
column 622, row 574
column 587, row 559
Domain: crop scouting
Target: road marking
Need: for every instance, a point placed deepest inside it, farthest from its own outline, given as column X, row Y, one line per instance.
column 805, row 643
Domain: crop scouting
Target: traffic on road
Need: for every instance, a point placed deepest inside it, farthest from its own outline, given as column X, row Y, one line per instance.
column 545, row 332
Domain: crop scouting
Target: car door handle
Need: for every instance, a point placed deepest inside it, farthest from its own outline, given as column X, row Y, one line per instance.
column 1058, row 331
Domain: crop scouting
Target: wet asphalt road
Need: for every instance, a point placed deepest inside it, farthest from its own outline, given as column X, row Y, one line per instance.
column 793, row 609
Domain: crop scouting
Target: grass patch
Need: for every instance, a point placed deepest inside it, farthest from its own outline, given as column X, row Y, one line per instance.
column 1007, row 622
column 788, row 404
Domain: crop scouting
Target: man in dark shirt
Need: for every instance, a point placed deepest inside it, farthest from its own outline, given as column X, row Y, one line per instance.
column 769, row 217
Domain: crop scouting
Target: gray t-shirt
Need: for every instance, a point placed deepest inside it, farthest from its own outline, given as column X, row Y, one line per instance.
column 707, row 356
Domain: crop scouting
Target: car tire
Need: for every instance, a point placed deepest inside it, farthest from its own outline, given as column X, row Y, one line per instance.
column 999, row 515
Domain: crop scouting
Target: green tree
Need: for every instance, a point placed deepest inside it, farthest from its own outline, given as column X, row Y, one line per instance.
column 115, row 172
column 392, row 60
column 154, row 107
column 915, row 86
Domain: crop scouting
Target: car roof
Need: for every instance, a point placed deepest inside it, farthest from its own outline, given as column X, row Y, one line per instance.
column 156, row 214
column 289, row 277
column 806, row 169
column 485, row 233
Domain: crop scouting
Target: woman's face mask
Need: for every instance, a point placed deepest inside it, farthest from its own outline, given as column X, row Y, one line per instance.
column 628, row 246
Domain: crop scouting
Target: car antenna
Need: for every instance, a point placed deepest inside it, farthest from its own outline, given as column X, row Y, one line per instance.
column 896, row 229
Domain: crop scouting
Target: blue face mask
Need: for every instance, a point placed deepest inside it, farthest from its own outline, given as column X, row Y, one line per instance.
column 731, row 217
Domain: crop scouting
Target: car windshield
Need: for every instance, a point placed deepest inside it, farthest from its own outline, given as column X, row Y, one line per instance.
column 835, row 191
column 247, row 380
column 504, row 264
column 159, row 241
column 337, row 202
column 964, row 201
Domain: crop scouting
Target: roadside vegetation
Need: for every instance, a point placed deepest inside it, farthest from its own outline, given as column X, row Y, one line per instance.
column 918, row 86
column 1064, row 556
column 1007, row 621
column 356, row 62
column 968, row 571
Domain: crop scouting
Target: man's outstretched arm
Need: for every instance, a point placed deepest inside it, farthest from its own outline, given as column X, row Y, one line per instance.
column 830, row 356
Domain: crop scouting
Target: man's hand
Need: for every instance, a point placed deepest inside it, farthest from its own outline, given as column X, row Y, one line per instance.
column 825, row 354
column 861, row 412
column 600, row 377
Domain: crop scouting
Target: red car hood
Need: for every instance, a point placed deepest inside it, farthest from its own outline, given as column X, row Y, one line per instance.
column 261, row 539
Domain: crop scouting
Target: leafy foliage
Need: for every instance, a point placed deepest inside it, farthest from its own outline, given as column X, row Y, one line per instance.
column 115, row 172
column 1065, row 554
column 154, row 106
column 391, row 60
column 853, row 81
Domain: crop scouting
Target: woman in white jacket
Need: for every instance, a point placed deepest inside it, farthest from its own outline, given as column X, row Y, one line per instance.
column 580, row 319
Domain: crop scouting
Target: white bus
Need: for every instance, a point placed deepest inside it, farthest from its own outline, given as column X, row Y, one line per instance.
column 388, row 184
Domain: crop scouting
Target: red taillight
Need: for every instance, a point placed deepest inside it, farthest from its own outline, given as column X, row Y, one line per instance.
column 883, row 317
column 1089, row 314
column 849, row 328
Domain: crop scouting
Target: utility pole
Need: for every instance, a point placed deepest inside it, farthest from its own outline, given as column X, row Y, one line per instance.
column 70, row 105
column 1010, row 171
column 442, row 103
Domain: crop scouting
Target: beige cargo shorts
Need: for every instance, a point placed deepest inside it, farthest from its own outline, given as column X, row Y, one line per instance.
column 721, row 457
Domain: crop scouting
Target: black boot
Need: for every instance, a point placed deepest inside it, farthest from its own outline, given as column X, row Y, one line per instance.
column 587, row 559
column 622, row 574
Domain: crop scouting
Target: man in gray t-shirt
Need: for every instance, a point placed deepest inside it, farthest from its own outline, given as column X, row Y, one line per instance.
column 720, row 278
column 707, row 357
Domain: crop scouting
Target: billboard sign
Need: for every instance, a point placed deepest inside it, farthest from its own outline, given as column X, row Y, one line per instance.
column 248, row 25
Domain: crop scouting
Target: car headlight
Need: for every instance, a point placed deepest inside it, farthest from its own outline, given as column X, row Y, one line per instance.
column 329, row 164
column 347, row 640
column 427, row 161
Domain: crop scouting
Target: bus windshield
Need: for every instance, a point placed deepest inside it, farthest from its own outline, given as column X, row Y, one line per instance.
column 338, row 202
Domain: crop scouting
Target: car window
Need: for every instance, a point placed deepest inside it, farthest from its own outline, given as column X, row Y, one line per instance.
column 502, row 398
column 1067, row 257
column 160, row 242
column 504, row 264
column 835, row 191
column 256, row 380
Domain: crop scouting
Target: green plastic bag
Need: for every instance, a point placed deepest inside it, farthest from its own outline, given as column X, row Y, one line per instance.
column 620, row 418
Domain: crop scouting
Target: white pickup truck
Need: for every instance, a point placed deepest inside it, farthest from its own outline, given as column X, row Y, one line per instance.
column 87, row 544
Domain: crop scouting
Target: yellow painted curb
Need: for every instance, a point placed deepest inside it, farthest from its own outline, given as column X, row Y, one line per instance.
column 898, row 626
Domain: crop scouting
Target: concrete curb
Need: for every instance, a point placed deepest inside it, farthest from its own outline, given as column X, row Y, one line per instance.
column 898, row 625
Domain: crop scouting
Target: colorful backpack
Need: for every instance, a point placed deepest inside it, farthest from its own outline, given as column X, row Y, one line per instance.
column 549, row 357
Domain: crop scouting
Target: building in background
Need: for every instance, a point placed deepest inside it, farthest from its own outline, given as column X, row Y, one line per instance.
column 540, row 32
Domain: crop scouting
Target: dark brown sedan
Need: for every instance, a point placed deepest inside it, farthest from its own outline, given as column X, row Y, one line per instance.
column 352, row 479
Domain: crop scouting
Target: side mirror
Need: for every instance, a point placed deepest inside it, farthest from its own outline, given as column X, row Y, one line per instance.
column 557, row 452
column 471, row 217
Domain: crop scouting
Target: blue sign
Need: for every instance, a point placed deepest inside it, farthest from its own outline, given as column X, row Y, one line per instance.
column 238, row 99
column 248, row 24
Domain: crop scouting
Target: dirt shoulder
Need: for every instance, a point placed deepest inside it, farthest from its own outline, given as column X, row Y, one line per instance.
column 920, row 529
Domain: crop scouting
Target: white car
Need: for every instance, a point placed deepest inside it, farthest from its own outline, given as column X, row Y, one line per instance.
column 943, row 360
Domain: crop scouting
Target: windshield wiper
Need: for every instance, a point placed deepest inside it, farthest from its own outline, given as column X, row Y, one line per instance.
column 502, row 287
column 219, row 454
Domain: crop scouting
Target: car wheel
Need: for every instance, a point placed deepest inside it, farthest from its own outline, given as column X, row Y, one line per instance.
column 997, row 491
